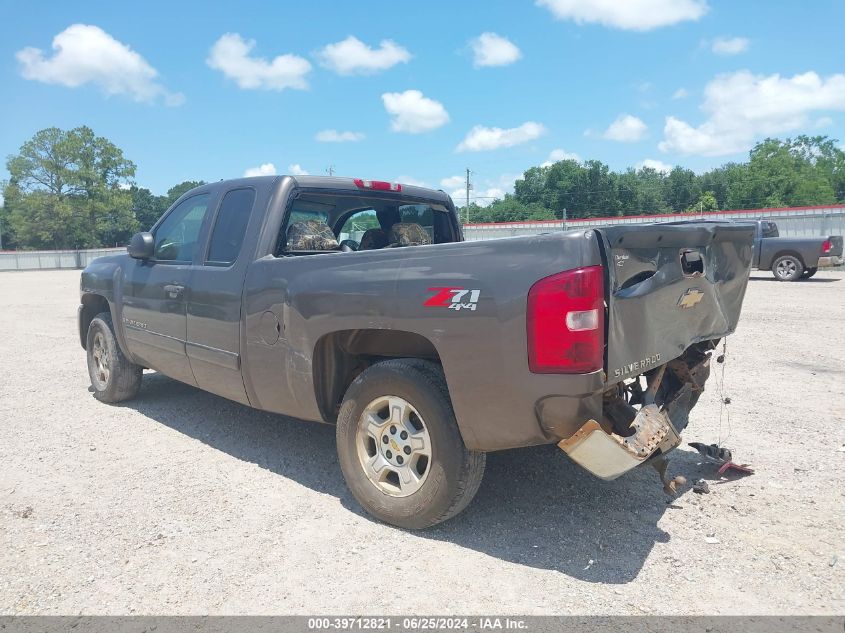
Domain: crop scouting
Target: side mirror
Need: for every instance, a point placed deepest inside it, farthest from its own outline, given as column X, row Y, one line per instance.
column 141, row 246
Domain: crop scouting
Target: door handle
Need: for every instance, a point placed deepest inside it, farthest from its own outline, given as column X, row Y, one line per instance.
column 173, row 291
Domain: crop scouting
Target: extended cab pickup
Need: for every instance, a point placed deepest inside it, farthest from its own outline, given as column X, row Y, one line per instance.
column 793, row 258
column 357, row 303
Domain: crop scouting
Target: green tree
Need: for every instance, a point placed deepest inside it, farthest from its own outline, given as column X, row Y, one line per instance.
column 176, row 191
column 7, row 237
column 706, row 202
column 682, row 189
column 147, row 207
column 793, row 172
column 68, row 189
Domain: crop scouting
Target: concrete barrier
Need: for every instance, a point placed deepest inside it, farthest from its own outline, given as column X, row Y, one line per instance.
column 53, row 260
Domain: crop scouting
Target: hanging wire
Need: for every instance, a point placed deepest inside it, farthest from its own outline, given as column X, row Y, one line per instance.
column 724, row 401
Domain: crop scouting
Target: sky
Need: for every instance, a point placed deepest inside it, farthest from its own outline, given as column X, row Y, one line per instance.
column 419, row 92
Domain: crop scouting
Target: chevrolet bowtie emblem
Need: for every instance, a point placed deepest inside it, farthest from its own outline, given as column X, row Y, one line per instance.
column 690, row 298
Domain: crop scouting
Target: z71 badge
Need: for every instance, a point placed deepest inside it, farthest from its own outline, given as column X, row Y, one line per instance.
column 453, row 298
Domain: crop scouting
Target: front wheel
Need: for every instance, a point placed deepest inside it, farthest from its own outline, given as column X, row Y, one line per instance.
column 787, row 268
column 113, row 376
column 399, row 446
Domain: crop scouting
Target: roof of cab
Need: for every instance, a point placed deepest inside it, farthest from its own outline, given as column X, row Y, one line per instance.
column 320, row 182
column 341, row 182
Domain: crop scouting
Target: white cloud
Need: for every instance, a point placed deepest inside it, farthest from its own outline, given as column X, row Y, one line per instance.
column 656, row 165
column 824, row 121
column 410, row 180
column 231, row 55
column 680, row 93
column 626, row 129
column 742, row 107
column 730, row 45
column 352, row 57
column 480, row 138
column 295, row 169
column 482, row 194
column 414, row 113
column 634, row 15
column 557, row 155
column 452, row 182
column 87, row 54
column 333, row 136
column 265, row 169
column 490, row 49
column 484, row 197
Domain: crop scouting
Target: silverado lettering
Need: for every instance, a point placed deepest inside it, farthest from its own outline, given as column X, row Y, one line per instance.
column 637, row 366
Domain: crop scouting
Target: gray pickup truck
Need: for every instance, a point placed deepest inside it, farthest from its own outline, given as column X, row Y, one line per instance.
column 793, row 258
column 357, row 303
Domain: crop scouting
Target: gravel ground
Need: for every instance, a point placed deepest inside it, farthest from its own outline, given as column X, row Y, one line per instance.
column 181, row 502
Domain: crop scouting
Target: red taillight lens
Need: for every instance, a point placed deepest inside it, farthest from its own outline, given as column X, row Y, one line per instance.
column 566, row 322
column 826, row 246
column 377, row 185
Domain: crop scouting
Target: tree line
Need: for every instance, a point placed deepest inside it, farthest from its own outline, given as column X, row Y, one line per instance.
column 804, row 171
column 74, row 189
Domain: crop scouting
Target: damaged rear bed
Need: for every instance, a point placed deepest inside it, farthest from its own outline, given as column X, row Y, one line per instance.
column 672, row 292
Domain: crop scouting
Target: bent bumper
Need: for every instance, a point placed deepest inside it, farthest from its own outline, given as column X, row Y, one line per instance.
column 833, row 260
column 608, row 455
column 628, row 437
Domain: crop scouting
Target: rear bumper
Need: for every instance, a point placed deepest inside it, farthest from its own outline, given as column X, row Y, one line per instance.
column 626, row 436
column 608, row 455
column 833, row 260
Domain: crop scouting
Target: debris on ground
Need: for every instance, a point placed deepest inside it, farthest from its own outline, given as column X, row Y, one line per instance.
column 670, row 486
column 25, row 513
column 712, row 540
column 701, row 487
column 712, row 452
column 743, row 468
column 721, row 455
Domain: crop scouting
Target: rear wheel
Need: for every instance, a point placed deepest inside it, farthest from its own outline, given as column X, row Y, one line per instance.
column 113, row 376
column 787, row 268
column 399, row 446
column 809, row 273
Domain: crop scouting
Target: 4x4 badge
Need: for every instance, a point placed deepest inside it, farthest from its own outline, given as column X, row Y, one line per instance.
column 690, row 298
column 454, row 298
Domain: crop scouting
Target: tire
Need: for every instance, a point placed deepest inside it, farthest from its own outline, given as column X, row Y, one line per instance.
column 809, row 272
column 787, row 268
column 113, row 377
column 440, row 476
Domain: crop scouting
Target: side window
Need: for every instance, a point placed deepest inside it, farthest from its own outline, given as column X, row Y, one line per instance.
column 421, row 214
column 357, row 224
column 306, row 227
column 176, row 236
column 770, row 229
column 230, row 227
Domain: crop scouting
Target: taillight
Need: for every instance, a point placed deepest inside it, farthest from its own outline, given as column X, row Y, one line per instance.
column 826, row 246
column 377, row 185
column 566, row 322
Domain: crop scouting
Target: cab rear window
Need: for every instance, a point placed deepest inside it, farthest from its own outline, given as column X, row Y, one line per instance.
column 770, row 229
